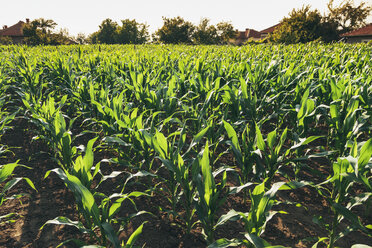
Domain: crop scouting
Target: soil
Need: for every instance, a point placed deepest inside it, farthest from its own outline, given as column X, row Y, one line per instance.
column 53, row 199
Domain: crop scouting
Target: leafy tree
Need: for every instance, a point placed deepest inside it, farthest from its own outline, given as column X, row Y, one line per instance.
column 175, row 30
column 40, row 31
column 93, row 38
column 226, row 32
column 205, row 33
column 81, row 39
column 46, row 25
column 347, row 16
column 305, row 25
column 302, row 25
column 132, row 32
column 107, row 32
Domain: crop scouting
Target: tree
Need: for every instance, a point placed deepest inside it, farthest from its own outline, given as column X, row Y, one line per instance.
column 302, row 25
column 39, row 31
column 107, row 33
column 175, row 30
column 226, row 32
column 132, row 32
column 347, row 16
column 205, row 33
column 46, row 25
column 81, row 38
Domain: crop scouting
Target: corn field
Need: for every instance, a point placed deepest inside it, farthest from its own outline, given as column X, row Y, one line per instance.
column 221, row 144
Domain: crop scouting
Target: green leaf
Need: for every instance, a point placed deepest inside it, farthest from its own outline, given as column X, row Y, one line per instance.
column 353, row 218
column 232, row 135
column 132, row 239
column 66, row 221
column 305, row 141
column 89, row 156
column 259, row 242
column 6, row 170
column 259, row 139
column 111, row 235
column 223, row 243
column 207, row 175
column 271, row 137
column 361, row 246
column 365, row 154
column 231, row 215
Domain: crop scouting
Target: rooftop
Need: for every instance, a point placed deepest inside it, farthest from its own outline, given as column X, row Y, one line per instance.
column 15, row 30
column 366, row 30
column 270, row 29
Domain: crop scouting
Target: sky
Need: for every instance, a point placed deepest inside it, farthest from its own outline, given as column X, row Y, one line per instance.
column 85, row 16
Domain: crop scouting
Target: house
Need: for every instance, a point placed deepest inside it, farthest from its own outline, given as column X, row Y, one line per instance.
column 363, row 34
column 251, row 34
column 244, row 36
column 264, row 33
column 15, row 32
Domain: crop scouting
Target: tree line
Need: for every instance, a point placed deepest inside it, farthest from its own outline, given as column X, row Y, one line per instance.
column 174, row 31
column 305, row 25
column 302, row 25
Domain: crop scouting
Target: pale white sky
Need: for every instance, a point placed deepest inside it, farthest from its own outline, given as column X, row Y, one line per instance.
column 85, row 15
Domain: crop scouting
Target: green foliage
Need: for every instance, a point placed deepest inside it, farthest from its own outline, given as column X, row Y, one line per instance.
column 226, row 32
column 130, row 32
column 302, row 25
column 107, row 32
column 193, row 125
column 347, row 171
column 205, row 33
column 175, row 31
column 348, row 16
column 6, row 171
column 40, row 31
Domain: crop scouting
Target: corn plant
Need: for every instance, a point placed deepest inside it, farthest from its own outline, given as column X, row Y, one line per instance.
column 6, row 171
column 95, row 216
column 259, row 215
column 211, row 195
column 347, row 171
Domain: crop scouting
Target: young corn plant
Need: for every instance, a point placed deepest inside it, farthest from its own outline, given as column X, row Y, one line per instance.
column 347, row 171
column 6, row 171
column 244, row 154
column 346, row 122
column 179, row 184
column 211, row 195
column 272, row 155
column 93, row 217
column 101, row 216
column 259, row 215
column 52, row 127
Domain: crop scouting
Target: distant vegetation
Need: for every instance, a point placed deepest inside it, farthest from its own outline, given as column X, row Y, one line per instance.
column 304, row 25
column 300, row 26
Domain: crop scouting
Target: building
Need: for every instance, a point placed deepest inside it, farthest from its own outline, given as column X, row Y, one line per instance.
column 264, row 33
column 244, row 36
column 363, row 34
column 253, row 35
column 14, row 32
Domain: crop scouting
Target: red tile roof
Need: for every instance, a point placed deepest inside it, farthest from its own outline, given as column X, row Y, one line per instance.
column 364, row 31
column 270, row 29
column 15, row 30
column 248, row 33
column 251, row 33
